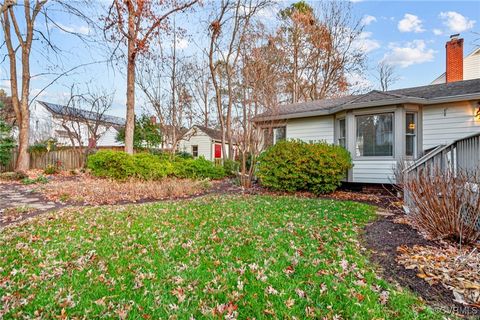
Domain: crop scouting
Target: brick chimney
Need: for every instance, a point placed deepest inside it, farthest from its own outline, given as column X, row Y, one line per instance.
column 454, row 48
column 153, row 120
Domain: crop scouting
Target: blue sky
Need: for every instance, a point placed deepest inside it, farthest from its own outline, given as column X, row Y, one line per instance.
column 411, row 35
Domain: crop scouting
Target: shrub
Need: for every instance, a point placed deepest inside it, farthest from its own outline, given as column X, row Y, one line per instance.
column 199, row 168
column 39, row 179
column 445, row 205
column 300, row 166
column 52, row 168
column 111, row 164
column 231, row 167
column 147, row 166
column 12, row 176
column 183, row 155
column 151, row 167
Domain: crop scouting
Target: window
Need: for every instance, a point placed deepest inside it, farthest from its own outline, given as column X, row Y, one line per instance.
column 279, row 134
column 342, row 133
column 195, row 151
column 410, row 134
column 374, row 135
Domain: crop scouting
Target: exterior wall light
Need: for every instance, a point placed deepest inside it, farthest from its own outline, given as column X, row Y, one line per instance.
column 477, row 111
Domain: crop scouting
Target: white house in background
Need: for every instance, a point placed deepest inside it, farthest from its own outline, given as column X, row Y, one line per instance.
column 381, row 128
column 457, row 66
column 47, row 121
column 202, row 141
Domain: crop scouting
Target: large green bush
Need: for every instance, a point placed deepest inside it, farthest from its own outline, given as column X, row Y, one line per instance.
column 300, row 166
column 199, row 168
column 151, row 167
column 111, row 164
column 146, row 166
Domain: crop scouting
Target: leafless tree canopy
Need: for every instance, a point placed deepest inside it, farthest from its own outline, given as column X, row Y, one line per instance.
column 386, row 75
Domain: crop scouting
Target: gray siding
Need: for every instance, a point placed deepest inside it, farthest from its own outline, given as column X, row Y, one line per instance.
column 311, row 129
column 442, row 124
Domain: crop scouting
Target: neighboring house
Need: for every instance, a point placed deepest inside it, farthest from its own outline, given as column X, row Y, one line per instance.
column 381, row 128
column 458, row 67
column 202, row 141
column 48, row 120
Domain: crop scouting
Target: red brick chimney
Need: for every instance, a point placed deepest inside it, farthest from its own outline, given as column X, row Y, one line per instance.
column 153, row 120
column 454, row 49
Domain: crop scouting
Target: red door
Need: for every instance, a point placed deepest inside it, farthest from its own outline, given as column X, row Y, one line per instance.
column 218, row 151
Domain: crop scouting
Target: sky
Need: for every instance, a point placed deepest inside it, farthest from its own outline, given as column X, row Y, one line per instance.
column 410, row 35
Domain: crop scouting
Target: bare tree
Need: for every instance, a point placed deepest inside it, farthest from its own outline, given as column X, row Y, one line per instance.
column 137, row 22
column 20, row 92
column 167, row 87
column 228, row 29
column 386, row 75
column 260, row 80
column 201, row 88
column 319, row 49
column 84, row 118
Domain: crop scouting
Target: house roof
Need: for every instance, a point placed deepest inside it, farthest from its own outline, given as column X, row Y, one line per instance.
column 430, row 94
column 212, row 133
column 61, row 110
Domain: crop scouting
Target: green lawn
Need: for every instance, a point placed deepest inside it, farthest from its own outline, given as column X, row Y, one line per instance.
column 214, row 257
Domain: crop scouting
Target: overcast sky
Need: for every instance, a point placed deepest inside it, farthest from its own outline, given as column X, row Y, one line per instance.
column 411, row 35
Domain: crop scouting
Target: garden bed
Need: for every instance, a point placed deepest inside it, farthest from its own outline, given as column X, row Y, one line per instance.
column 389, row 240
column 87, row 190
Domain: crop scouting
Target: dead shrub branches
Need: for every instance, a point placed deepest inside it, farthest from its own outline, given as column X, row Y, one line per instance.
column 444, row 204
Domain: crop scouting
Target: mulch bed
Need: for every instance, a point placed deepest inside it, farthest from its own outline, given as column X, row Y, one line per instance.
column 383, row 237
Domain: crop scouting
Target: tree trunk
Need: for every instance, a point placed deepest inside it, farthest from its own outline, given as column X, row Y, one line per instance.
column 23, row 159
column 130, row 124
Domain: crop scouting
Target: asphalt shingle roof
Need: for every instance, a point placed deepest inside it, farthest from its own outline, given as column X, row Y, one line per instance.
column 212, row 133
column 423, row 94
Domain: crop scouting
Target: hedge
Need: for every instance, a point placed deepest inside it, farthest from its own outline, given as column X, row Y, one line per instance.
column 145, row 166
column 299, row 166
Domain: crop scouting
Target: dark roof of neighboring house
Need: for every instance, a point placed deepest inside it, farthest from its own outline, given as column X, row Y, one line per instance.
column 212, row 133
column 80, row 113
column 430, row 94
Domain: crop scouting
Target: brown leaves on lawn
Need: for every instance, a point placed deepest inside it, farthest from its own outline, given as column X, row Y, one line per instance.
column 94, row 191
column 456, row 269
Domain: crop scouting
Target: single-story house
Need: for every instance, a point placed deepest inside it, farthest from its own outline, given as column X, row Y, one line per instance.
column 54, row 121
column 381, row 128
column 203, row 141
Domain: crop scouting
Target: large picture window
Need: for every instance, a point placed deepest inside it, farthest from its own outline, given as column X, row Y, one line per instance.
column 374, row 135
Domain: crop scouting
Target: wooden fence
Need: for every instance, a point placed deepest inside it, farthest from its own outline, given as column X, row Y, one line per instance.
column 66, row 159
